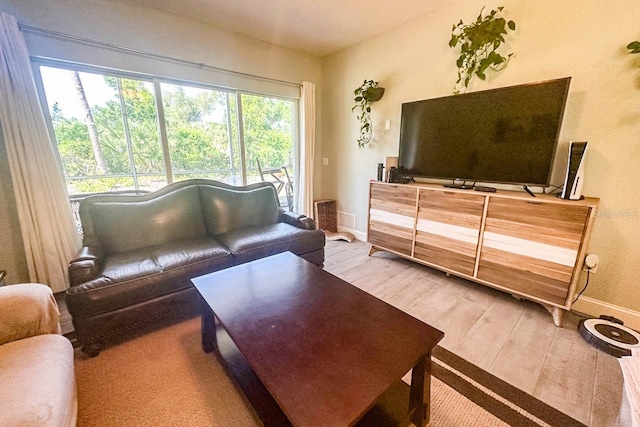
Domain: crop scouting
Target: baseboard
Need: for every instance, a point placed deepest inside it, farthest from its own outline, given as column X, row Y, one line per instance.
column 359, row 235
column 595, row 308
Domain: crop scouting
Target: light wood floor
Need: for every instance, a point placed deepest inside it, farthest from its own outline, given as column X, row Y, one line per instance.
column 512, row 339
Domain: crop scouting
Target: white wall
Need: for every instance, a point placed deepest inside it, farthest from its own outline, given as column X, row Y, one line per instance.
column 151, row 30
column 584, row 40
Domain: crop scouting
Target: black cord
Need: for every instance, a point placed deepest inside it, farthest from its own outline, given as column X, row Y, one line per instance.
column 576, row 299
column 583, row 289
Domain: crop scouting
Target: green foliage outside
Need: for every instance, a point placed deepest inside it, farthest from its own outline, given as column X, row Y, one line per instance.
column 197, row 133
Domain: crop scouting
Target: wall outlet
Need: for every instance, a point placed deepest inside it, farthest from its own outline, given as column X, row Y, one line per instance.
column 591, row 262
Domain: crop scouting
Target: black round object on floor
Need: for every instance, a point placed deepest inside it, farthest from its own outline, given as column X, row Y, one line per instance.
column 609, row 336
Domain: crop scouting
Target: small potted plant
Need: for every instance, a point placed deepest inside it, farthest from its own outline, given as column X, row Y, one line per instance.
column 367, row 93
column 478, row 43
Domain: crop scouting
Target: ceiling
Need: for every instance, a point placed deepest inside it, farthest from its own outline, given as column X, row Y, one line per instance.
column 316, row 27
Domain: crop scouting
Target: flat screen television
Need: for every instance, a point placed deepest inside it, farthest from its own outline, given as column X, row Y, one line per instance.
column 506, row 135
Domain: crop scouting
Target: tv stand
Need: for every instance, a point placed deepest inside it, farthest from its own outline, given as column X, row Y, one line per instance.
column 531, row 248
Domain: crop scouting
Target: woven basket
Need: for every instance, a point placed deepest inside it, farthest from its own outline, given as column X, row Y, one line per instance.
column 325, row 215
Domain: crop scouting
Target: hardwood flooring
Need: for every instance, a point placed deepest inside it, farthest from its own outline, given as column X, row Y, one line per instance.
column 513, row 339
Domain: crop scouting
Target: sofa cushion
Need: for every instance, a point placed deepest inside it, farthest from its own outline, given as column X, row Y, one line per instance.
column 249, row 244
column 140, row 275
column 126, row 226
column 38, row 382
column 226, row 210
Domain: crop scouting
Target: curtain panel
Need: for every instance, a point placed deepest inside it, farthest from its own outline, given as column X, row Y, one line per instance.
column 304, row 203
column 46, row 220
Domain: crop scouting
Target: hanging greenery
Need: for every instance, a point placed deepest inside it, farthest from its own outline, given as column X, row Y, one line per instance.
column 634, row 47
column 478, row 43
column 364, row 95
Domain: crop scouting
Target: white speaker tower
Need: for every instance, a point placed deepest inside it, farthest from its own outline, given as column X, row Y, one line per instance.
column 575, row 171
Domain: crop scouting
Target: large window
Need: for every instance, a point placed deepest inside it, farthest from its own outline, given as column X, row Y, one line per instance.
column 121, row 133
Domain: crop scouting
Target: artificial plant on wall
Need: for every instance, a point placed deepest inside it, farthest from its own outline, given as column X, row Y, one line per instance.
column 634, row 47
column 478, row 43
column 367, row 93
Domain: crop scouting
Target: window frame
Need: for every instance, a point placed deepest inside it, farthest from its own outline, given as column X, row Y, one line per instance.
column 156, row 81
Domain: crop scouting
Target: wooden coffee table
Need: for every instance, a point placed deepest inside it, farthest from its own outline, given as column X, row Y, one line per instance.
column 309, row 349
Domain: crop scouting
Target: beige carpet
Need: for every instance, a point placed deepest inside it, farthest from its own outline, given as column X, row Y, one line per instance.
column 164, row 378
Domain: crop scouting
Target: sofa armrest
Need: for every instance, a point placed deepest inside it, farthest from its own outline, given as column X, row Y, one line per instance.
column 297, row 220
column 85, row 265
column 28, row 309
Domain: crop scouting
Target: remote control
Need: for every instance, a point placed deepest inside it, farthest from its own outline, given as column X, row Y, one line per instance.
column 485, row 189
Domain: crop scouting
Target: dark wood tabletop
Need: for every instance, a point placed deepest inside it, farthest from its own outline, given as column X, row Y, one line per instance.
column 324, row 349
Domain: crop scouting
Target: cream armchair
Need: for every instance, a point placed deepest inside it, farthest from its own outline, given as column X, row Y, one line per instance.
column 36, row 363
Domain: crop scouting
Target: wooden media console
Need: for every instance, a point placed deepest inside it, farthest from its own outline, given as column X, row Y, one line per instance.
column 531, row 247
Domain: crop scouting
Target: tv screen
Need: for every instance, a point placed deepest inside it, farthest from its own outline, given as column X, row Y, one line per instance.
column 506, row 135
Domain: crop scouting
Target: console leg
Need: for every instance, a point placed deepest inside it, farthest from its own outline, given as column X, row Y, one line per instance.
column 373, row 250
column 557, row 314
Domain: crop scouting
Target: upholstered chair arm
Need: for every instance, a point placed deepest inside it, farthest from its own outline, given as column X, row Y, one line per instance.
column 297, row 220
column 85, row 265
column 27, row 309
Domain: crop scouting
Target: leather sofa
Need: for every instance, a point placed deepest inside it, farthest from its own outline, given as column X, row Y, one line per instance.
column 37, row 377
column 140, row 253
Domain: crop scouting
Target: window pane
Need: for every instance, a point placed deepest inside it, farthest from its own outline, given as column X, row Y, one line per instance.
column 268, row 137
column 201, row 143
column 141, row 119
column 102, row 147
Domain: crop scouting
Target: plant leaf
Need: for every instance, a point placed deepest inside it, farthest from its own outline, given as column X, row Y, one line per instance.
column 511, row 25
column 634, row 47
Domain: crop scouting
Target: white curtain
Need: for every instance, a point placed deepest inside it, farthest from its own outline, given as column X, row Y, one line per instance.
column 46, row 221
column 304, row 202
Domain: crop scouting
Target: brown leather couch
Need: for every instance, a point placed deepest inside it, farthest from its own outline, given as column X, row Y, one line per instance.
column 140, row 252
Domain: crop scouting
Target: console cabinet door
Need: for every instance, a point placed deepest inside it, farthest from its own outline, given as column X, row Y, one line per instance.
column 392, row 213
column 532, row 247
column 448, row 229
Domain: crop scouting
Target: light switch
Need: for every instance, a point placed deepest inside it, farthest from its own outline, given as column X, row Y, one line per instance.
column 387, row 124
column 325, row 161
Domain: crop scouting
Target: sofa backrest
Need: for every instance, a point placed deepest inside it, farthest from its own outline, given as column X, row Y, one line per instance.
column 228, row 208
column 122, row 223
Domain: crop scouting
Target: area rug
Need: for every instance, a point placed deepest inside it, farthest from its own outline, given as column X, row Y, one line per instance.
column 163, row 378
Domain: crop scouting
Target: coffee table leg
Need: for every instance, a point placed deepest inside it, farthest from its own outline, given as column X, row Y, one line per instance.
column 209, row 342
column 420, row 394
